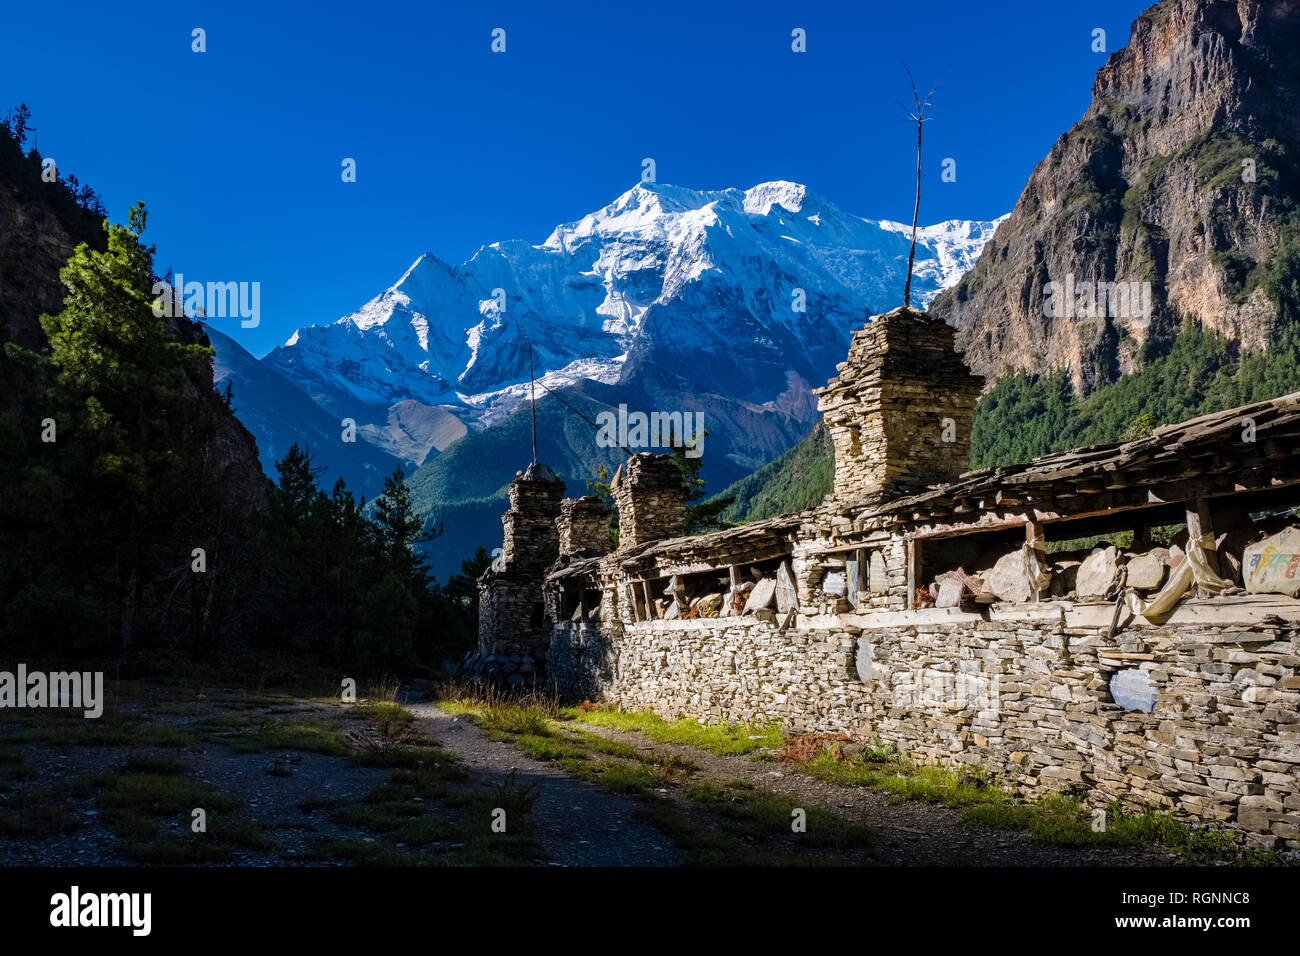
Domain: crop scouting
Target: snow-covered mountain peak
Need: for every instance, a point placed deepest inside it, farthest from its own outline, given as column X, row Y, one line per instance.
column 760, row 199
column 685, row 278
column 647, row 210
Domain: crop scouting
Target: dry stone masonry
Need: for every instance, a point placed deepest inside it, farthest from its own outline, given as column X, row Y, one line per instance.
column 583, row 527
column 966, row 618
column 650, row 498
column 900, row 412
column 513, row 631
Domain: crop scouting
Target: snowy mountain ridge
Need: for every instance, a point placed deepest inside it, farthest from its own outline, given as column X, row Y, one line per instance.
column 661, row 271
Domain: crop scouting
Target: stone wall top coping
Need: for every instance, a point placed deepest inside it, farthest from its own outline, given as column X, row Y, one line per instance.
column 1236, row 609
column 697, row 624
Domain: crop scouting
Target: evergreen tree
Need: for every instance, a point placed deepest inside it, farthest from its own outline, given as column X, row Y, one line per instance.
column 124, row 400
column 701, row 516
column 399, row 528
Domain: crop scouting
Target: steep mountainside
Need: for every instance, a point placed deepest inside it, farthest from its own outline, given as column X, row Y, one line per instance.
column 799, row 479
column 1182, row 173
column 1147, row 187
column 98, row 525
column 39, row 227
column 280, row 415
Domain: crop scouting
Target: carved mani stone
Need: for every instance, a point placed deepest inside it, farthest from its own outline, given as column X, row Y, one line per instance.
column 1131, row 689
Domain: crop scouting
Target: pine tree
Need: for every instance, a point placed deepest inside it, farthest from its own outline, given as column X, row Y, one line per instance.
column 701, row 516
column 399, row 528
column 128, row 419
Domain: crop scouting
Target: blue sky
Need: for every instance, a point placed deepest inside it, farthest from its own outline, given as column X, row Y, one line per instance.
column 237, row 151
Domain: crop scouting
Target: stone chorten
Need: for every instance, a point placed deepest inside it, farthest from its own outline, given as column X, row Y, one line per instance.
column 532, row 542
column 899, row 413
column 651, row 499
column 583, row 527
column 511, row 620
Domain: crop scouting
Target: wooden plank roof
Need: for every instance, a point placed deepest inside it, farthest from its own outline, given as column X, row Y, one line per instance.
column 1207, row 453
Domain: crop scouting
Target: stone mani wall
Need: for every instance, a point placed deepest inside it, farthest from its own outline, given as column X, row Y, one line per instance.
column 1028, row 699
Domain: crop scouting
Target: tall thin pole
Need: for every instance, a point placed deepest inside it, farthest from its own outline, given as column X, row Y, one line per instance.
column 916, row 209
column 532, row 389
column 919, row 116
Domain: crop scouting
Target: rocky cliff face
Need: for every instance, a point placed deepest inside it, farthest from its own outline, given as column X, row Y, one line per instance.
column 36, row 238
column 1181, row 174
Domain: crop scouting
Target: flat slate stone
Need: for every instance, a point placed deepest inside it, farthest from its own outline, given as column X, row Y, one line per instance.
column 761, row 596
column 786, row 596
column 1007, row 578
column 950, row 588
column 866, row 654
column 1147, row 571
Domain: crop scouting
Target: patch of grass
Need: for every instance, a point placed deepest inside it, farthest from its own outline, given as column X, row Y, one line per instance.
column 929, row 784
column 218, row 845
column 514, row 719
column 255, row 733
column 726, row 739
column 413, row 758
column 710, row 845
column 515, row 798
column 1053, row 819
column 621, row 776
column 107, row 731
column 550, row 748
column 629, row 772
column 413, row 828
column 362, row 852
column 735, row 824
column 153, row 764
column 150, row 812
column 37, row 812
column 1061, row 820
column 458, row 706
column 773, row 814
column 391, row 721
column 157, row 795
column 612, row 748
column 314, row 736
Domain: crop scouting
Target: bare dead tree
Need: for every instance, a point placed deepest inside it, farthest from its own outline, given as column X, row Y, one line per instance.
column 919, row 116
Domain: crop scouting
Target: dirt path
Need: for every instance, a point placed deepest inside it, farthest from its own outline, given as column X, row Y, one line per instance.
column 578, row 824
column 912, row 833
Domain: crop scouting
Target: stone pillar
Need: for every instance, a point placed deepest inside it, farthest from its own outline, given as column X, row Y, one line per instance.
column 583, row 527
column 512, row 620
column 651, row 499
column 531, row 540
column 900, row 411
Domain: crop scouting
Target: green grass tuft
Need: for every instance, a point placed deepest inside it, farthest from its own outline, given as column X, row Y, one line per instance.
column 724, row 739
